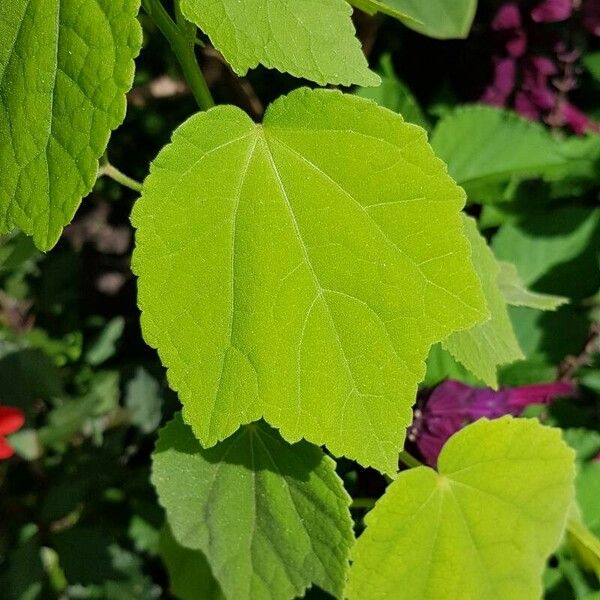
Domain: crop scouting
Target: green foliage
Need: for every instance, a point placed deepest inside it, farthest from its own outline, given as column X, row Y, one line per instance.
column 304, row 268
column 304, row 38
column 548, row 241
column 189, row 571
column 442, row 19
column 492, row 343
column 491, row 517
column 277, row 316
column 144, row 401
column 517, row 294
column 395, row 95
column 270, row 518
column 63, row 77
column 484, row 146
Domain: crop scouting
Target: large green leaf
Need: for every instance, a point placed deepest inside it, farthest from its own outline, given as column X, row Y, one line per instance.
column 64, row 71
column 482, row 527
column 442, row 19
column 492, row 343
column 270, row 518
column 313, row 39
column 300, row 270
column 485, row 145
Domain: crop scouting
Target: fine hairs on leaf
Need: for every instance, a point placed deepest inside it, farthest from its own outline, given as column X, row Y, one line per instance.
column 307, row 280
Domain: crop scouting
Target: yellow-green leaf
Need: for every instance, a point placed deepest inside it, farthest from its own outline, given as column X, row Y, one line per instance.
column 483, row 527
column 300, row 270
column 484, row 347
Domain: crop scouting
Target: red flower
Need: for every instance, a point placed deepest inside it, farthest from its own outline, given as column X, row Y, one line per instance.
column 11, row 420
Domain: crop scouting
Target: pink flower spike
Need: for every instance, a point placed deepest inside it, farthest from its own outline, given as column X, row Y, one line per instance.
column 525, row 106
column 507, row 17
column 591, row 16
column 576, row 119
column 498, row 92
column 542, row 393
column 516, row 45
column 552, row 11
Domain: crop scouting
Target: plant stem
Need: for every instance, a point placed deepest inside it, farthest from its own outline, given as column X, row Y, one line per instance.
column 409, row 460
column 361, row 503
column 120, row 177
column 182, row 45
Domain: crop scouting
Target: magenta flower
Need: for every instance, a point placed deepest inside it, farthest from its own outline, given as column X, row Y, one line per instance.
column 507, row 17
column 452, row 405
column 536, row 78
column 591, row 16
column 500, row 90
column 552, row 11
column 508, row 22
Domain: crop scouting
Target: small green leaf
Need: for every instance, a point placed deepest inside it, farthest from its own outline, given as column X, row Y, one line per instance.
column 442, row 365
column 515, row 292
column 585, row 544
column 492, row 343
column 143, row 400
column 591, row 61
column 271, row 518
column 300, row 270
column 485, row 145
column 313, row 39
column 104, row 345
column 543, row 242
column 482, row 527
column 442, row 19
column 64, row 71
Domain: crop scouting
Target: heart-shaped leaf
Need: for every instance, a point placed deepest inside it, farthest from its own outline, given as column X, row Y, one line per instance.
column 482, row 527
column 300, row 270
column 270, row 518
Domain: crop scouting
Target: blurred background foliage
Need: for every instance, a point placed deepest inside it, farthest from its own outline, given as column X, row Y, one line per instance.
column 79, row 516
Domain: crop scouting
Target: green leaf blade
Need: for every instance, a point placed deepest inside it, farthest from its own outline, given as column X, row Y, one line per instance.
column 492, row 343
column 277, row 307
column 441, row 19
column 270, row 518
column 481, row 528
column 63, row 77
column 312, row 39
column 485, row 145
column 516, row 294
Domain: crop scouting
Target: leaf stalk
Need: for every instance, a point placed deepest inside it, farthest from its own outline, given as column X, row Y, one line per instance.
column 120, row 177
column 182, row 39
